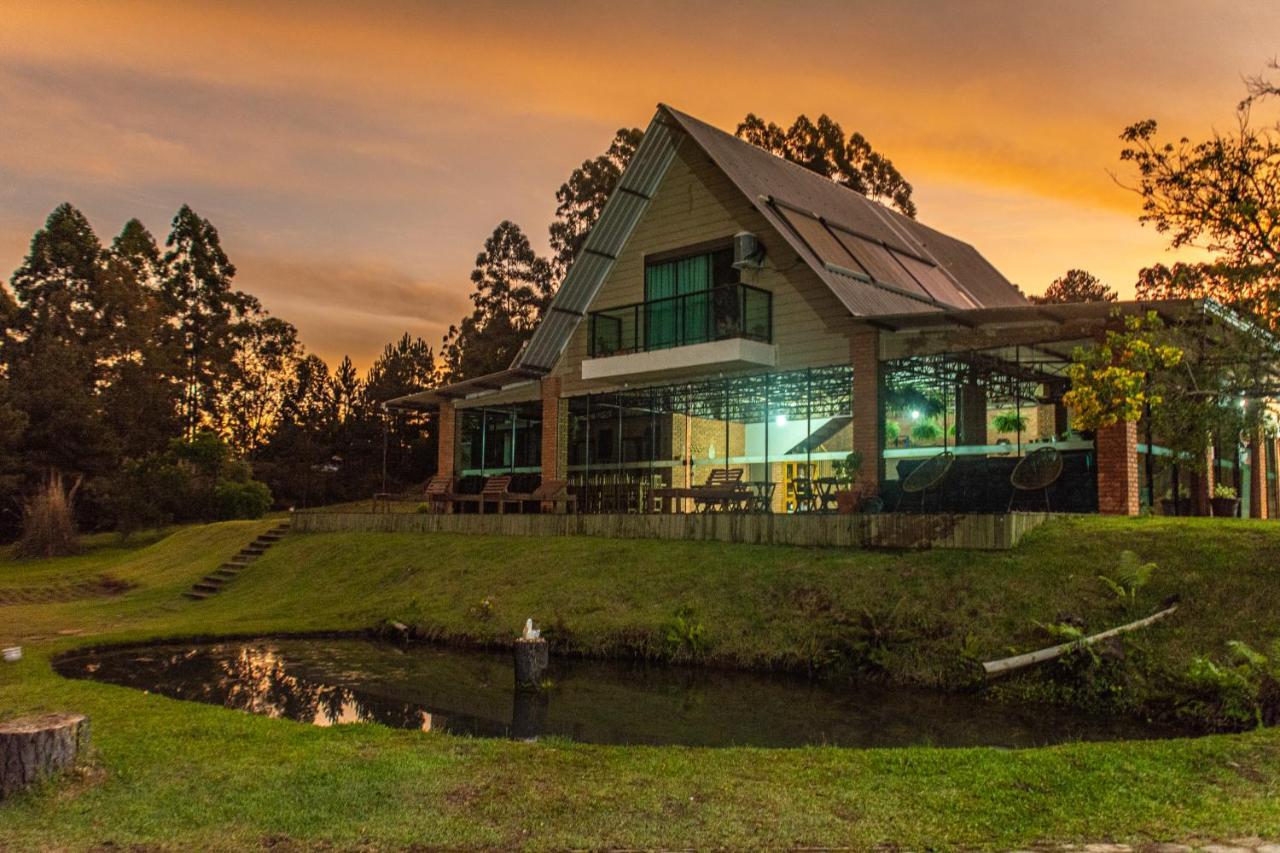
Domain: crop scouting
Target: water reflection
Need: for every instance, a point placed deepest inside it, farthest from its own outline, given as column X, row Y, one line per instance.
column 334, row 682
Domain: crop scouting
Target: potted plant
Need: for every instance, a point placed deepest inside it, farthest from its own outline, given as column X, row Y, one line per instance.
column 1225, row 501
column 926, row 432
column 1181, row 506
column 1010, row 422
column 846, row 471
column 891, row 432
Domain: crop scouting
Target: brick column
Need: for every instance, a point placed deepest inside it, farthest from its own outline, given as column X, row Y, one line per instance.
column 1202, row 484
column 447, row 449
column 551, row 443
column 1258, row 475
column 1061, row 423
column 971, row 414
column 868, row 413
column 1117, row 452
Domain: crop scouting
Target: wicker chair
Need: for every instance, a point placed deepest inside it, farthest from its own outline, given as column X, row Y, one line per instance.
column 929, row 474
column 1036, row 471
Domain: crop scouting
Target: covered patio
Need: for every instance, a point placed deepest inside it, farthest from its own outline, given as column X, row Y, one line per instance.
column 944, row 412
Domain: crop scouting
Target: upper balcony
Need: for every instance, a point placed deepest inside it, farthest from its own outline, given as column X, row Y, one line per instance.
column 724, row 324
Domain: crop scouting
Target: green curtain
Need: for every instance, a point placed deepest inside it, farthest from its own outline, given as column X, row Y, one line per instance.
column 678, row 321
column 693, row 275
column 660, row 318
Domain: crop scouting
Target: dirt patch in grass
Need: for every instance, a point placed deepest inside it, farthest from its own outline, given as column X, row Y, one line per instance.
column 96, row 587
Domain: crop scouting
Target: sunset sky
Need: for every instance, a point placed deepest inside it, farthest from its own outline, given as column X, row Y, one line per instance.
column 354, row 156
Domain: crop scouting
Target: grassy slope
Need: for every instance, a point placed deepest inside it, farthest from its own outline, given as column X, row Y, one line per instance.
column 180, row 774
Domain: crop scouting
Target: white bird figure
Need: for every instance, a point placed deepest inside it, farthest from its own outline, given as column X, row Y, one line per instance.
column 530, row 632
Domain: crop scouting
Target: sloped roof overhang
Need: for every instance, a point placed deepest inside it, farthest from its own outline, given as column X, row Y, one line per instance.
column 492, row 383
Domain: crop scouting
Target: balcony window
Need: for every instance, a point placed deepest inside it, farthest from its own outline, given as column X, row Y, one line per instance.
column 689, row 300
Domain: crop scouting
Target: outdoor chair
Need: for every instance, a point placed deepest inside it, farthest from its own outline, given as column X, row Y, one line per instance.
column 554, row 494
column 496, row 491
column 806, row 494
column 722, row 491
column 435, row 494
column 438, row 494
column 929, row 474
column 1036, row 471
column 762, row 497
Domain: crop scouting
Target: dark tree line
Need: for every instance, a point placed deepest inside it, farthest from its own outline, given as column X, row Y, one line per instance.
column 139, row 372
column 514, row 285
column 1222, row 195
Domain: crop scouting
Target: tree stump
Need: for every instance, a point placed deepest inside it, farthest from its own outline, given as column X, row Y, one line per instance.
column 532, row 658
column 34, row 747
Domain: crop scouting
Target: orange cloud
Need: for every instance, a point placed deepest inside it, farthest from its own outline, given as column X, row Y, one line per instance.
column 403, row 131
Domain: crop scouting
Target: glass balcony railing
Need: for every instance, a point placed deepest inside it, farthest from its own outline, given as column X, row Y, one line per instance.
column 721, row 313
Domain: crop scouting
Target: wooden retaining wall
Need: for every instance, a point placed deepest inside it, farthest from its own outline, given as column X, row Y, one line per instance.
column 890, row 530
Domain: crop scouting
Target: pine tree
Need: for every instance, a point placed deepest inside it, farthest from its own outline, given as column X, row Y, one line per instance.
column 253, row 394
column 196, row 287
column 347, row 391
column 512, row 284
column 56, row 284
column 822, row 148
column 55, row 350
column 142, row 386
column 582, row 197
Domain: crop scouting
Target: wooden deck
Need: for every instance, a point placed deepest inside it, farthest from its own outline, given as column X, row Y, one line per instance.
column 888, row 530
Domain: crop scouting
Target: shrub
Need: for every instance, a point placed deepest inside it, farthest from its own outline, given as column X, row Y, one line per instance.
column 1222, row 490
column 1131, row 576
column 241, row 500
column 1010, row 422
column 1242, row 693
column 926, row 431
column 685, row 636
column 48, row 521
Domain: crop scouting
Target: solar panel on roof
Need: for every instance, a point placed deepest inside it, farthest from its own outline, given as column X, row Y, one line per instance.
column 938, row 284
column 880, row 264
column 815, row 234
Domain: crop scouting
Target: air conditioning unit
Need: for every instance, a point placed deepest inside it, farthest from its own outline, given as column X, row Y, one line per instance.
column 748, row 254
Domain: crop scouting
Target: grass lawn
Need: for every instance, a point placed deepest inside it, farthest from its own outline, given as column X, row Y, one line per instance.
column 180, row 775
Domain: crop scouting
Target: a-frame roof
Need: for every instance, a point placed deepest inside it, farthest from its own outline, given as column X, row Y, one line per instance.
column 875, row 260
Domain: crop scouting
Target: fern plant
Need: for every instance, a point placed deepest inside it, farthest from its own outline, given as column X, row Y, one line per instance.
column 1010, row 422
column 1131, row 576
column 1241, row 693
column 685, row 635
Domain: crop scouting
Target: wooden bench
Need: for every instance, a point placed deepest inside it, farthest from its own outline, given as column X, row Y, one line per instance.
column 437, row 494
column 722, row 491
column 497, row 490
column 554, row 494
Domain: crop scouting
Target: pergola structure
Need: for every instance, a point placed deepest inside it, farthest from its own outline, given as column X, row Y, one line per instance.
column 964, row 364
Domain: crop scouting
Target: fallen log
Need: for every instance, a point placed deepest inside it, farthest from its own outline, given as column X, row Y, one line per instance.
column 32, row 748
column 1004, row 665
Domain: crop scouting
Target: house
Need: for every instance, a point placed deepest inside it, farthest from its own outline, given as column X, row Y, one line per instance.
column 732, row 310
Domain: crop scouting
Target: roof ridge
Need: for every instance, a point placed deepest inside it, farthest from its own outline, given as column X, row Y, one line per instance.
column 809, row 173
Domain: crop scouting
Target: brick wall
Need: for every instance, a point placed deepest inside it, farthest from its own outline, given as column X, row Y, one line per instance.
column 447, row 452
column 972, row 415
column 1258, row 475
column 864, row 356
column 1117, row 448
column 551, row 431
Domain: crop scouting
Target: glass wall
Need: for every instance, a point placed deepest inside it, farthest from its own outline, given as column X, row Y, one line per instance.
column 500, row 440
column 783, row 433
column 957, row 425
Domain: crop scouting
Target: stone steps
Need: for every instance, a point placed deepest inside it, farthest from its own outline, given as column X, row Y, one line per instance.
column 212, row 583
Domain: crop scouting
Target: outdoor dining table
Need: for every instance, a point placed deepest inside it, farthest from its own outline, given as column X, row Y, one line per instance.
column 826, row 488
column 758, row 496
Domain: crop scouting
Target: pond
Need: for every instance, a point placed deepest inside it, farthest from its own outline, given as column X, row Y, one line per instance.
column 331, row 681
